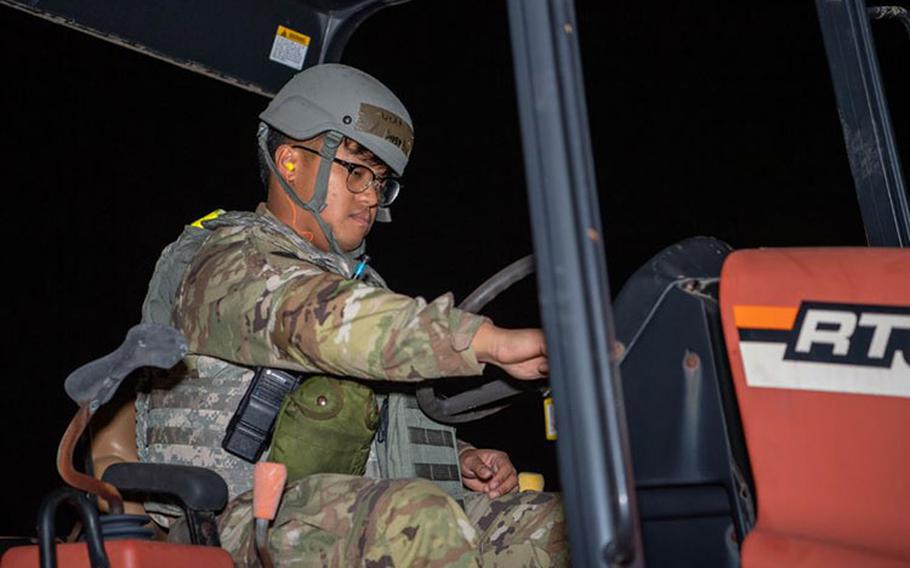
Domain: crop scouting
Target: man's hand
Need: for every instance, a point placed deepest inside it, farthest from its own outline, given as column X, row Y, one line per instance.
column 520, row 352
column 489, row 471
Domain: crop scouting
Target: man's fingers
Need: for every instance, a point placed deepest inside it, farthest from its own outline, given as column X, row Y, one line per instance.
column 505, row 471
column 508, row 485
column 489, row 471
column 475, row 485
column 473, row 467
column 484, row 473
column 536, row 368
column 519, row 345
column 541, row 365
column 520, row 352
column 505, row 478
column 467, row 467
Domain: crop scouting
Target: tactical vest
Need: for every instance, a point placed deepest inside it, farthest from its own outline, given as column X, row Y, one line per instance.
column 181, row 418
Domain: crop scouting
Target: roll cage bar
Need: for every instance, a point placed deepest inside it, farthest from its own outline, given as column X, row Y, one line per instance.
column 866, row 121
column 593, row 449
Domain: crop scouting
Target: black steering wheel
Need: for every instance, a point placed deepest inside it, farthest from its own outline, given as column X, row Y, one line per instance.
column 484, row 400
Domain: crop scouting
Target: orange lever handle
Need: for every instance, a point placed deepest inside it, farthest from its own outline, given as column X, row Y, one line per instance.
column 268, row 485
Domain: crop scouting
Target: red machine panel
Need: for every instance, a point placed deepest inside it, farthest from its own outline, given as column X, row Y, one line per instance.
column 819, row 346
column 125, row 554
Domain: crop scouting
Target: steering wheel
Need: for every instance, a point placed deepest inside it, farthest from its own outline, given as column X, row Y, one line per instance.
column 484, row 400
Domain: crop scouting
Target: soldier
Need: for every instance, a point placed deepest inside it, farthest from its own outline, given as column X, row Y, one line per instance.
column 288, row 287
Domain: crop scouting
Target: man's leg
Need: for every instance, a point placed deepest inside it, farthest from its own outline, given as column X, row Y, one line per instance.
column 519, row 529
column 342, row 520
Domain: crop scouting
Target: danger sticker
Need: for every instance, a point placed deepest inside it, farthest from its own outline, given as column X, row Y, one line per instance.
column 289, row 48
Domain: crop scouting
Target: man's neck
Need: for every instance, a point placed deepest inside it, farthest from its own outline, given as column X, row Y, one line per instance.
column 300, row 221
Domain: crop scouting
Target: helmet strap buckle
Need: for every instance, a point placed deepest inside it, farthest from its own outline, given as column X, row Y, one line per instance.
column 331, row 141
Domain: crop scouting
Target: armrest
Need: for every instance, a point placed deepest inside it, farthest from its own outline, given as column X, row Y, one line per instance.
column 199, row 491
column 196, row 488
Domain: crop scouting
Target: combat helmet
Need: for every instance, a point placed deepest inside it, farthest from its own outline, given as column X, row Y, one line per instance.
column 338, row 101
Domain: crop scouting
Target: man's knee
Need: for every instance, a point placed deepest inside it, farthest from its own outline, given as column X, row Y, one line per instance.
column 415, row 522
column 416, row 489
column 419, row 502
column 521, row 529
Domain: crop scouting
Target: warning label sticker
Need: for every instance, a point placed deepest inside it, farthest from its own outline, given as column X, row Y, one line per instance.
column 549, row 418
column 289, row 48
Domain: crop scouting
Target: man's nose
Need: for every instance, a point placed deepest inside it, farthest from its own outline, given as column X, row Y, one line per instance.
column 369, row 196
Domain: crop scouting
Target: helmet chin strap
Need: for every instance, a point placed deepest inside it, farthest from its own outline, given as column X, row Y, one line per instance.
column 332, row 140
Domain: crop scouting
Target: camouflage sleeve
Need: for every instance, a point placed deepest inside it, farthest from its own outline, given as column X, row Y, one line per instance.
column 463, row 446
column 246, row 305
column 348, row 328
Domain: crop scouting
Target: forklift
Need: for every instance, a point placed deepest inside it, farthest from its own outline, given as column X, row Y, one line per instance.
column 728, row 407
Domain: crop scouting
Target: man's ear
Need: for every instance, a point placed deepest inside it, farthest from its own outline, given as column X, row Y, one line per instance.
column 286, row 160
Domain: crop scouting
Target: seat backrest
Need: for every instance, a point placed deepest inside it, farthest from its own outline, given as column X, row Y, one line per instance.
column 688, row 454
column 819, row 344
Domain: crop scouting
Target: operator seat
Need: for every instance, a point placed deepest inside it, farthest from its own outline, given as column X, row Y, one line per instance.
column 117, row 539
column 819, row 347
column 688, row 453
column 199, row 492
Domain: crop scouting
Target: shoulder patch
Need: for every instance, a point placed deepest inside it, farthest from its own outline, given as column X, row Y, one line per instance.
column 213, row 215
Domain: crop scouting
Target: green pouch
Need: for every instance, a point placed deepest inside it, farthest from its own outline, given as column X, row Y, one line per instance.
column 325, row 426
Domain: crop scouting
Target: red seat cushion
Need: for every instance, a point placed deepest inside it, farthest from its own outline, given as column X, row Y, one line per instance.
column 767, row 550
column 819, row 343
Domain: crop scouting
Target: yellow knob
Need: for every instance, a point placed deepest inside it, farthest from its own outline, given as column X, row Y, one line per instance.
column 530, row 482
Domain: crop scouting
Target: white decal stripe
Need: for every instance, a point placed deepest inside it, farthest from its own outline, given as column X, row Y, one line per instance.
column 765, row 366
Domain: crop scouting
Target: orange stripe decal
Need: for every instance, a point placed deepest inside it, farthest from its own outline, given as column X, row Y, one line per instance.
column 764, row 317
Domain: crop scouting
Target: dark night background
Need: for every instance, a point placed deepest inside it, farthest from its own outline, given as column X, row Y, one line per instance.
column 706, row 119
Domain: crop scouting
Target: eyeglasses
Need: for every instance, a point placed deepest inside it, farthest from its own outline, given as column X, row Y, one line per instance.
column 361, row 178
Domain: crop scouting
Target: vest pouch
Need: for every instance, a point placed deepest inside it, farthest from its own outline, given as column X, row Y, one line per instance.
column 325, row 426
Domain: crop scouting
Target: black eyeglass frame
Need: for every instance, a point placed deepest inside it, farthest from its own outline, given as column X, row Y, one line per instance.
column 388, row 186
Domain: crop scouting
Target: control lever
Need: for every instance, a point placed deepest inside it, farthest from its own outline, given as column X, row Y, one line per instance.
column 268, row 485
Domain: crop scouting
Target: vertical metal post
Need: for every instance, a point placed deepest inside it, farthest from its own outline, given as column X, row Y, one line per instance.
column 866, row 122
column 593, row 449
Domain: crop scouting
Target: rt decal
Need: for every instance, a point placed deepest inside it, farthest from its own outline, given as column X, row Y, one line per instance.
column 845, row 348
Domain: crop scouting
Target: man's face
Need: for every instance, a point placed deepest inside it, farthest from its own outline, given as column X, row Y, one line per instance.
column 349, row 215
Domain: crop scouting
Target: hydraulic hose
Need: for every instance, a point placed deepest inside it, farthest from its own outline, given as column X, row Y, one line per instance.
column 47, row 546
column 78, row 479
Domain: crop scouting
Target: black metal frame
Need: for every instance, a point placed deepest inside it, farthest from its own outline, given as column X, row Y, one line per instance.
column 593, row 449
column 866, row 121
column 228, row 40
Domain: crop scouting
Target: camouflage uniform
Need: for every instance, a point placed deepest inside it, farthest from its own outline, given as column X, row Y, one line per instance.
column 253, row 293
column 337, row 520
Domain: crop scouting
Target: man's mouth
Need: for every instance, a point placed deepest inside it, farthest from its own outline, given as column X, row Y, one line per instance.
column 362, row 217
